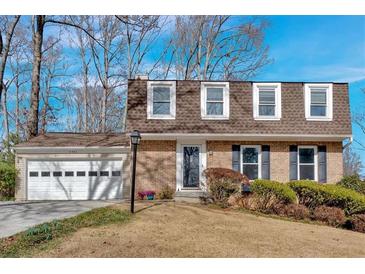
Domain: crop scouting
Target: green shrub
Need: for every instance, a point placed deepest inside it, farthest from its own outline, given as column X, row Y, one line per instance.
column 222, row 183
column 353, row 182
column 7, row 180
column 166, row 193
column 268, row 195
column 274, row 190
column 313, row 194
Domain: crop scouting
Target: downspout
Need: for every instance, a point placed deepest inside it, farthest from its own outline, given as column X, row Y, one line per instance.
column 349, row 143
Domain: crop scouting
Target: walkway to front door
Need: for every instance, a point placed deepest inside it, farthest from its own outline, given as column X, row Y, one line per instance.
column 191, row 166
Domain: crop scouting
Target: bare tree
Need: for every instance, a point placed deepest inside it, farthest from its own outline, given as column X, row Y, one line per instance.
column 38, row 24
column 95, row 108
column 79, row 40
column 19, row 72
column 359, row 120
column 7, row 27
column 85, row 61
column 141, row 33
column 53, row 70
column 214, row 47
column 352, row 162
column 107, row 55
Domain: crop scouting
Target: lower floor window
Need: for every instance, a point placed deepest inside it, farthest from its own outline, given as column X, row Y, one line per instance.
column 307, row 163
column 251, row 161
column 57, row 173
column 104, row 173
column 116, row 173
column 93, row 173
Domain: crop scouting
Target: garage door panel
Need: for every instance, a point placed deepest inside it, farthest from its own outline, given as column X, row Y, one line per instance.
column 74, row 187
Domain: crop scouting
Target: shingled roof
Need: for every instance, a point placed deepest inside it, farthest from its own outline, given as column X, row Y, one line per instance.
column 67, row 139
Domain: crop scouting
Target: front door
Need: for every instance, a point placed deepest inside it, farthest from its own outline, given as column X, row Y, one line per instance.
column 191, row 166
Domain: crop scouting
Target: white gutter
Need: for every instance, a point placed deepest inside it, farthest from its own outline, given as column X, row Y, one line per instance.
column 245, row 137
column 73, row 150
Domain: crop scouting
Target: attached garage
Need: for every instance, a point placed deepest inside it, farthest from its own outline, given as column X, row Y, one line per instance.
column 69, row 166
column 74, row 180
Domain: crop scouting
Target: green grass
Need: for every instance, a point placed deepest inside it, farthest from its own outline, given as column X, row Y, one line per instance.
column 5, row 199
column 48, row 234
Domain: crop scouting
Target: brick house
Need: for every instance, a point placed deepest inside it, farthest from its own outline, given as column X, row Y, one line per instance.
column 280, row 131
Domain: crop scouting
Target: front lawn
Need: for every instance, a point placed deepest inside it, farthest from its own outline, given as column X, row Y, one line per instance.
column 47, row 235
column 193, row 230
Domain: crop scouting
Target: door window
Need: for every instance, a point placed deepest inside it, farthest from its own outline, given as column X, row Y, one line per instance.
column 191, row 166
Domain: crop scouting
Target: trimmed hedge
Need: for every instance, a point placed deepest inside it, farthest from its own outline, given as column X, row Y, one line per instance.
column 274, row 190
column 353, row 182
column 7, row 180
column 313, row 194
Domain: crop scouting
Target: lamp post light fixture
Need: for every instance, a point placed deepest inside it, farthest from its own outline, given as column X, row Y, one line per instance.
column 135, row 139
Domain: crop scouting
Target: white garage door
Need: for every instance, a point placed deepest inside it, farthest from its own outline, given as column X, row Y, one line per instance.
column 74, row 180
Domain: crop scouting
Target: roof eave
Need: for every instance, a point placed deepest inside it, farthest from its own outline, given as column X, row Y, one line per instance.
column 247, row 137
column 72, row 149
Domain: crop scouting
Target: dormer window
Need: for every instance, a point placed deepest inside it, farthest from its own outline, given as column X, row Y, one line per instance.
column 161, row 100
column 215, row 100
column 267, row 101
column 318, row 102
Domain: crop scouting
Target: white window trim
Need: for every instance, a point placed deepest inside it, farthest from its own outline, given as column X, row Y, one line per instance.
column 255, row 97
column 203, row 99
column 172, row 86
column 258, row 147
column 315, row 161
column 329, row 99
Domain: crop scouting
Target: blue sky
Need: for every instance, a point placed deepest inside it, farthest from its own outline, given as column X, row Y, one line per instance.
column 303, row 48
column 319, row 48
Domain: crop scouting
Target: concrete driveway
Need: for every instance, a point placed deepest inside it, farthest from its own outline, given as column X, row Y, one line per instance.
column 19, row 217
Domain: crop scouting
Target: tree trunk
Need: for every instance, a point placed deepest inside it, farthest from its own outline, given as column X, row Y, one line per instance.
column 84, row 101
column 17, row 122
column 105, row 90
column 6, row 118
column 103, row 110
column 32, row 129
column 45, row 108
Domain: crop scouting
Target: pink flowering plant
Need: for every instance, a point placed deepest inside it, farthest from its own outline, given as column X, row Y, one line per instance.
column 150, row 194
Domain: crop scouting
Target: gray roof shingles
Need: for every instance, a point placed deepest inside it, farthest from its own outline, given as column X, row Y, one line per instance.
column 66, row 139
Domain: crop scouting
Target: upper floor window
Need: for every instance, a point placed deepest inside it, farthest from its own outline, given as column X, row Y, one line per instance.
column 318, row 102
column 267, row 101
column 215, row 100
column 161, row 100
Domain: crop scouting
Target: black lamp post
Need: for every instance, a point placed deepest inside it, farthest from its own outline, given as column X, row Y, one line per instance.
column 135, row 139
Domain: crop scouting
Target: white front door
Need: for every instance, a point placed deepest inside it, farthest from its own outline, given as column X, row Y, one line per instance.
column 74, row 180
column 191, row 166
